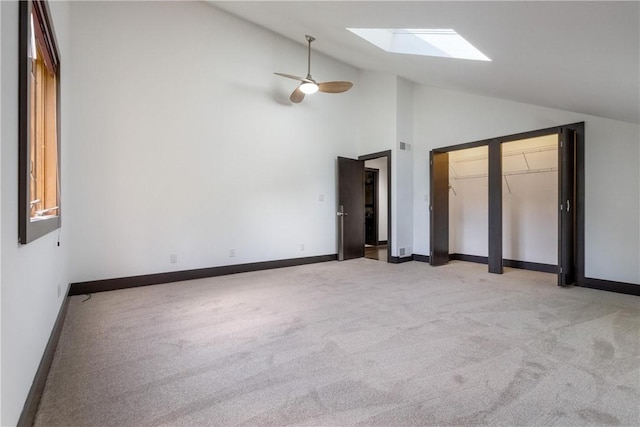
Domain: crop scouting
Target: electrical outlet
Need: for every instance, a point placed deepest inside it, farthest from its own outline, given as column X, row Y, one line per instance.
column 301, row 246
column 321, row 197
column 232, row 253
column 173, row 258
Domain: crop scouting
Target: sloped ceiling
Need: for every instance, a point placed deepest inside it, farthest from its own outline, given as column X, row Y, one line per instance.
column 577, row 56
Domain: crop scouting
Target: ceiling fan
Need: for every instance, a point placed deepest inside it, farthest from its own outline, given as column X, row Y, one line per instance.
column 308, row 85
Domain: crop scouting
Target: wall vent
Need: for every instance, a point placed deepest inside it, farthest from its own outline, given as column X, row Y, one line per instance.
column 405, row 146
column 402, row 251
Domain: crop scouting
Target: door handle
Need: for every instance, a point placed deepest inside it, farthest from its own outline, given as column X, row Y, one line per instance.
column 568, row 205
column 341, row 214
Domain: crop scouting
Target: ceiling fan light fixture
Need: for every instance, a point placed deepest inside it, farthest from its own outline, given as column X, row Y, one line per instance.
column 308, row 88
column 308, row 85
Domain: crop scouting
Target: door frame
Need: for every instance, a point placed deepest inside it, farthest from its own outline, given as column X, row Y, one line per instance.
column 495, row 202
column 374, row 156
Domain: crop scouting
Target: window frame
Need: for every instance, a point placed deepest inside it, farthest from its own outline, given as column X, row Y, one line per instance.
column 29, row 230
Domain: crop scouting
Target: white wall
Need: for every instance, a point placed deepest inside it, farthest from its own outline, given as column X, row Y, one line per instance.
column 468, row 201
column 30, row 273
column 185, row 142
column 386, row 119
column 377, row 113
column 1, row 136
column 469, row 217
column 402, row 170
column 530, row 200
column 377, row 128
column 612, row 184
column 383, row 194
column 530, row 218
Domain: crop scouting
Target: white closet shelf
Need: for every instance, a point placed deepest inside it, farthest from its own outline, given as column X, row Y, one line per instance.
column 484, row 175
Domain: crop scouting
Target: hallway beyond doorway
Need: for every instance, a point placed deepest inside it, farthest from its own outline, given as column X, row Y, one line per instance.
column 376, row 252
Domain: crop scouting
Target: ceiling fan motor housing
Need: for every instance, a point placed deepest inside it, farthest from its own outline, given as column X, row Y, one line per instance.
column 308, row 85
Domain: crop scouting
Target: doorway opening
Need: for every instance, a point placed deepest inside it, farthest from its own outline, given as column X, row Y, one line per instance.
column 351, row 220
column 376, row 206
column 549, row 163
column 529, row 203
column 468, row 204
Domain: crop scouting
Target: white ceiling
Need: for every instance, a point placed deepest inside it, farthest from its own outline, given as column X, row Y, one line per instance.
column 577, row 56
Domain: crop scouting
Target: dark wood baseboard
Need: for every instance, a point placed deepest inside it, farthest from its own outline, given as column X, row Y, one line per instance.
column 533, row 266
column 611, row 286
column 469, row 258
column 399, row 260
column 382, row 242
column 600, row 284
column 512, row 263
column 81, row 288
column 28, row 415
column 421, row 258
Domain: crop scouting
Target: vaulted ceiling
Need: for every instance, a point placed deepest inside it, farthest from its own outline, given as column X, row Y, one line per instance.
column 572, row 55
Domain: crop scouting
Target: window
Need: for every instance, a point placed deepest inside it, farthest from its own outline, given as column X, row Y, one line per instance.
column 446, row 43
column 39, row 133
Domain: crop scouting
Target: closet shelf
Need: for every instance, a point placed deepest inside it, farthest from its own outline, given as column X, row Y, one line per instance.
column 512, row 153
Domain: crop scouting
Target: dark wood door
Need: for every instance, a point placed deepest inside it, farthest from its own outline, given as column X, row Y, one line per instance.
column 495, row 207
column 439, row 218
column 567, row 206
column 350, row 208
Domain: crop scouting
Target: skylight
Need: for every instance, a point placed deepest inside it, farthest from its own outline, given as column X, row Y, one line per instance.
column 436, row 42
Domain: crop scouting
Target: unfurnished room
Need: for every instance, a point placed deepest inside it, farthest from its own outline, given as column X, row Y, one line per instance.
column 319, row 213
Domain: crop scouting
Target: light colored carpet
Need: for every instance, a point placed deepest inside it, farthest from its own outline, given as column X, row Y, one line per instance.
column 357, row 342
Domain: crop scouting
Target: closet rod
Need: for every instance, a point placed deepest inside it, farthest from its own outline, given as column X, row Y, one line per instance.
column 508, row 153
column 484, row 175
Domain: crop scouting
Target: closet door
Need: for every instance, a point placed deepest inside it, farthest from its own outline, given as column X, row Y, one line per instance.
column 439, row 207
column 495, row 207
column 567, row 205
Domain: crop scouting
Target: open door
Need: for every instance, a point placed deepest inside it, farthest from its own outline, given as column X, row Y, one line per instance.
column 567, row 206
column 351, row 221
column 439, row 207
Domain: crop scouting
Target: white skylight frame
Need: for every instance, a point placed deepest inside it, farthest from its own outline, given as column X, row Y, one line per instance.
column 446, row 43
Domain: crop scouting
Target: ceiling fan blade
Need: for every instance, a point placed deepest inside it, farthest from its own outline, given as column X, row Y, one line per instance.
column 334, row 87
column 296, row 96
column 290, row 76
